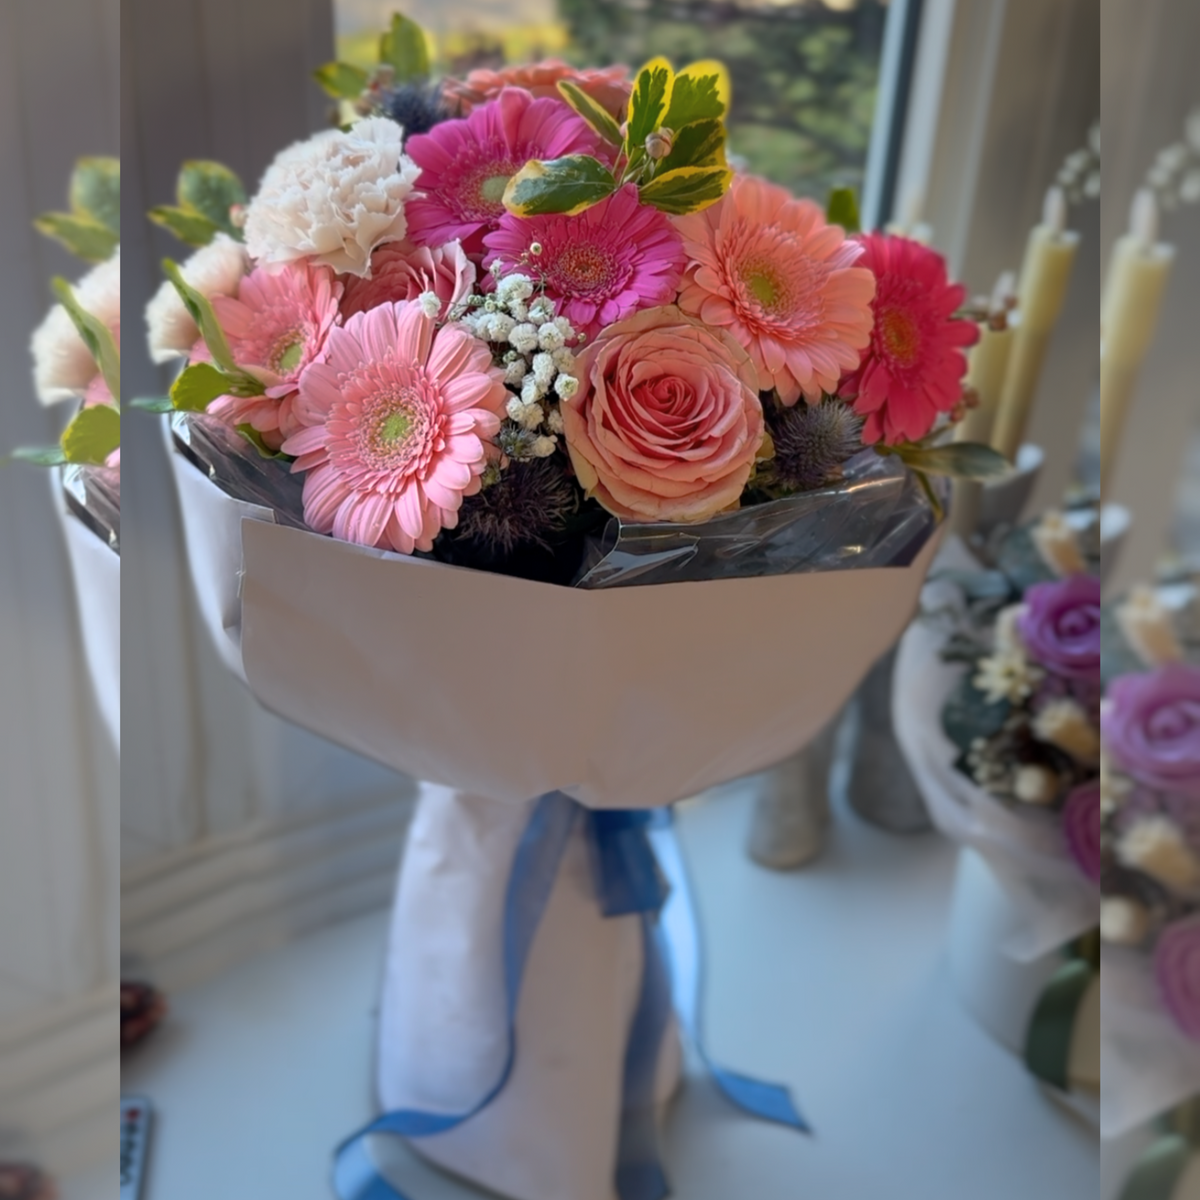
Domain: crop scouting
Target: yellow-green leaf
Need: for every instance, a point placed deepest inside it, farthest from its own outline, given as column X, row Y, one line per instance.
column 700, row 93
column 560, row 185
column 648, row 103
column 201, row 311
column 96, row 336
column 191, row 228
column 961, row 460
column 96, row 191
column 93, row 435
column 687, row 189
column 210, row 189
column 342, row 81
column 701, row 144
column 405, row 48
column 198, row 386
column 84, row 237
column 39, row 456
column 842, row 209
column 594, row 114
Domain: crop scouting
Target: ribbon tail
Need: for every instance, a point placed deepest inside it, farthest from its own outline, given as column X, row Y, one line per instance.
column 766, row 1101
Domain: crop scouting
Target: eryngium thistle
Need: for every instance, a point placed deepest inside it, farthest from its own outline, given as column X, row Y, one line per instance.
column 529, row 504
column 812, row 442
column 417, row 109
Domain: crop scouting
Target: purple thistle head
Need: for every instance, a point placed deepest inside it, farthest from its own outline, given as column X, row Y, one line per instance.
column 812, row 442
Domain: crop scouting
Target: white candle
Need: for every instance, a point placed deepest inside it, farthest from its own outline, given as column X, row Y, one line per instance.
column 910, row 224
column 1045, row 274
column 1139, row 270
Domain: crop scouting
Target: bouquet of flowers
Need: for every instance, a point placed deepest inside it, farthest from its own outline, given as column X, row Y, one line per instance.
column 77, row 360
column 525, row 345
column 1147, row 853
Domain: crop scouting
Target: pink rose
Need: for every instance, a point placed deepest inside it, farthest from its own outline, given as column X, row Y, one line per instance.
column 402, row 271
column 667, row 422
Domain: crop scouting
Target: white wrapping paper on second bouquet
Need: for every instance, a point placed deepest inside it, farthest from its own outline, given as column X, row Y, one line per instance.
column 631, row 698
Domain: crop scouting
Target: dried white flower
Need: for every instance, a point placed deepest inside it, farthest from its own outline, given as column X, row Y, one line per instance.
column 523, row 338
column 1065, row 724
column 566, row 386
column 1156, row 847
column 1006, row 676
column 543, row 447
column 1008, row 637
column 1035, row 784
column 333, row 198
column 1058, row 545
column 1123, row 921
column 214, row 270
column 1147, row 627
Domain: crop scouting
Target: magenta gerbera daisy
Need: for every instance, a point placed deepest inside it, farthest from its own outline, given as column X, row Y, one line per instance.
column 607, row 262
column 914, row 366
column 784, row 282
column 398, row 422
column 276, row 325
column 466, row 164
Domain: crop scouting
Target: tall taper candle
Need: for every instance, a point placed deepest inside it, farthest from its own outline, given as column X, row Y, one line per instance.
column 1045, row 274
column 1135, row 293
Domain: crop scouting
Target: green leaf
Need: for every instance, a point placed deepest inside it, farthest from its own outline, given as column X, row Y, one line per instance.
column 96, row 191
column 152, row 404
column 687, row 189
column 40, row 456
column 701, row 144
column 405, row 47
column 84, row 237
column 700, row 93
column 1052, row 1026
column 560, row 185
column 191, row 228
column 97, row 337
column 201, row 311
column 342, row 81
column 1159, row 1171
column 968, row 714
column 256, row 440
column 962, row 460
column 210, row 189
column 594, row 114
column 842, row 209
column 93, row 435
column 648, row 103
column 198, row 386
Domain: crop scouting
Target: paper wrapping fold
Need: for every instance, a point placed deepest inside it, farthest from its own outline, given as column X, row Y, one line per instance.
column 96, row 570
column 499, row 689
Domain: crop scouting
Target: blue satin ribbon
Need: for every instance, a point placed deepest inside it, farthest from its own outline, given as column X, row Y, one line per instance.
column 629, row 881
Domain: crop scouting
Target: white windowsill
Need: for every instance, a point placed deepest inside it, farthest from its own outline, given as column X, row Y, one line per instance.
column 831, row 979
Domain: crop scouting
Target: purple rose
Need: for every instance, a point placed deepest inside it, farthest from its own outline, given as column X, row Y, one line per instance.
column 1177, row 971
column 1061, row 626
column 1151, row 727
column 1081, row 827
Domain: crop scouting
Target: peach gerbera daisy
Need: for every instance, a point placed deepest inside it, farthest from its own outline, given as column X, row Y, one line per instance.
column 608, row 86
column 772, row 271
column 397, row 423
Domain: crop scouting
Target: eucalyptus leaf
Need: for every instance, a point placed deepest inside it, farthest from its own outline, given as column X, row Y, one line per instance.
column 152, row 404
column 405, row 48
column 842, row 209
column 342, row 81
column 96, row 191
column 201, row 311
column 82, row 236
column 598, row 117
column 700, row 93
column 93, row 435
column 40, row 456
column 191, row 228
column 560, row 185
column 97, row 337
column 701, row 144
column 961, row 460
column 687, row 189
column 968, row 714
column 648, row 102
column 198, row 386
column 212, row 190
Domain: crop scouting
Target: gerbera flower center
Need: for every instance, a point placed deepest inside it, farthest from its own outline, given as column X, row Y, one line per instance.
column 900, row 335
column 287, row 353
column 392, row 428
column 474, row 188
column 492, row 188
column 583, row 268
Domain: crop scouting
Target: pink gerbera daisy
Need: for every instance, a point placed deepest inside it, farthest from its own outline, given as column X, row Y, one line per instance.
column 914, row 366
column 771, row 270
column 402, row 271
column 276, row 325
column 603, row 264
column 466, row 164
column 397, row 421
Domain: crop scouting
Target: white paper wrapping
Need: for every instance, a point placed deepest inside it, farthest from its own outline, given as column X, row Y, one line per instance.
column 499, row 690
column 96, row 570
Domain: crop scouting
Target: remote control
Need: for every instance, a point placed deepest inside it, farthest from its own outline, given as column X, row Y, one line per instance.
column 135, row 1136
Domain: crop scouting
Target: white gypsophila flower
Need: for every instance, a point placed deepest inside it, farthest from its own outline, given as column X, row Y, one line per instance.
column 515, row 408
column 214, row 270
column 528, row 416
column 1147, row 626
column 1058, row 545
column 554, row 422
column 566, row 386
column 333, row 198
column 1123, row 921
column 1156, row 847
column 532, row 389
column 544, row 369
column 431, row 304
column 514, row 373
column 543, row 447
column 523, row 338
column 518, row 310
column 63, row 366
column 541, row 310
column 564, row 360
column 500, row 327
column 1065, row 724
column 515, row 287
column 550, row 337
column 566, row 329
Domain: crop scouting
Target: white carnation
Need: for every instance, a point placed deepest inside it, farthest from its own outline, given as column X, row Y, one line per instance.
column 62, row 364
column 333, row 198
column 214, row 270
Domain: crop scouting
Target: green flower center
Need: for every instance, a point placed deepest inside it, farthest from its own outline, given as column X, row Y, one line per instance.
column 492, row 188
column 395, row 428
column 288, row 352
